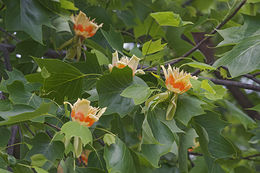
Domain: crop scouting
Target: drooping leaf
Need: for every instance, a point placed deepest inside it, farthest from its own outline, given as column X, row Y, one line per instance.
column 51, row 150
column 168, row 18
column 187, row 108
column 74, row 129
column 109, row 88
column 186, row 140
column 109, row 139
column 162, row 134
column 243, row 58
column 28, row 16
column 118, row 158
column 147, row 134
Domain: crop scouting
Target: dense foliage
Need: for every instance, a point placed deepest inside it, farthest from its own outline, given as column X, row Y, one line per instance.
column 96, row 96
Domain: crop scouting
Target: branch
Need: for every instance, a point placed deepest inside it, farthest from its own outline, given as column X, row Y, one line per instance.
column 14, row 130
column 211, row 33
column 251, row 156
column 9, row 34
column 234, row 83
column 252, row 77
column 53, row 126
column 6, row 57
column 195, row 154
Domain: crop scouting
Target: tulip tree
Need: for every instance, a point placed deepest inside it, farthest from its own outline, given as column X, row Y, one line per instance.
column 169, row 86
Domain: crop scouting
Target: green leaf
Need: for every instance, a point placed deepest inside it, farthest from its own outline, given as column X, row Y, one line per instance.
column 212, row 165
column 51, row 150
column 118, row 158
column 20, row 114
column 102, row 59
column 39, row 170
column 243, row 58
column 4, row 171
column 168, row 18
column 28, row 16
column 74, row 129
column 187, row 108
column 200, row 166
column 38, row 160
column 61, row 25
column 206, row 86
column 89, row 170
column 64, row 80
column 162, row 134
column 235, row 112
column 18, row 95
column 12, row 76
column 234, row 35
column 139, row 93
column 147, row 134
column 109, row 139
column 109, row 88
column 114, row 39
column 91, row 65
column 4, row 136
column 150, row 47
column 67, row 5
column 186, row 140
column 155, row 57
column 218, row 146
column 201, row 66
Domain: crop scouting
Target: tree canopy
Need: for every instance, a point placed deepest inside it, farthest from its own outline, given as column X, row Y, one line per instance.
column 129, row 86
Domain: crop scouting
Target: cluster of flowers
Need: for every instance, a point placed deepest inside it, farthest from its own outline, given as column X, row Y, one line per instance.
column 175, row 80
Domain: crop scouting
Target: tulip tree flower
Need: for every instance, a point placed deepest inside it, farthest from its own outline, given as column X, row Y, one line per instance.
column 83, row 26
column 82, row 112
column 124, row 61
column 178, row 83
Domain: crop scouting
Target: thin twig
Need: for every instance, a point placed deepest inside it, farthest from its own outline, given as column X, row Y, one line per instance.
column 53, row 126
column 195, row 154
column 28, row 128
column 10, row 35
column 249, row 76
column 100, row 141
column 249, row 157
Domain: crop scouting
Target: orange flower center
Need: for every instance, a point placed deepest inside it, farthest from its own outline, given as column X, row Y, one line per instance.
column 171, row 81
column 79, row 116
column 121, row 66
column 88, row 29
